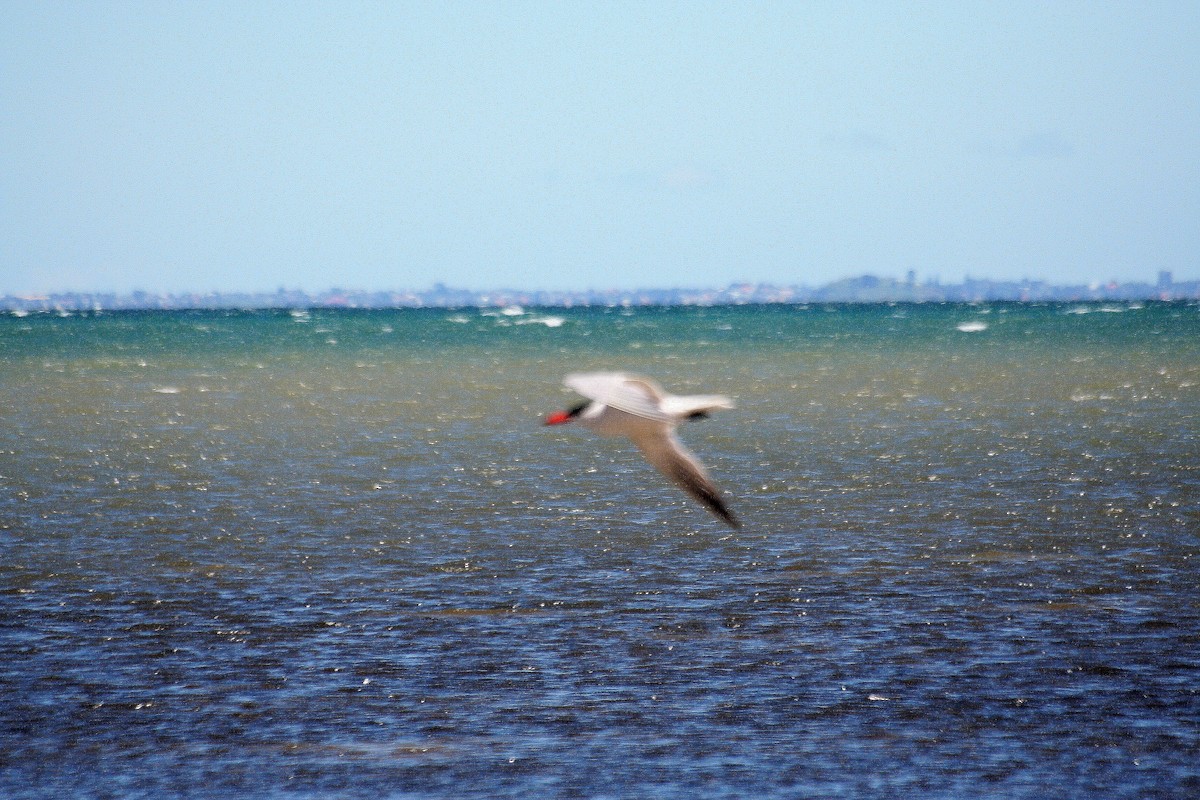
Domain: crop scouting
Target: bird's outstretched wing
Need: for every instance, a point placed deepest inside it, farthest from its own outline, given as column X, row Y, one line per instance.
column 671, row 458
column 632, row 394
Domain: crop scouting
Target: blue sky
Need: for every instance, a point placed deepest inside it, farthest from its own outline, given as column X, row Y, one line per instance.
column 246, row 146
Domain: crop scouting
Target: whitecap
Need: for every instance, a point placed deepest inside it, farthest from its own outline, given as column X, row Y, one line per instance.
column 166, row 390
column 972, row 327
column 548, row 321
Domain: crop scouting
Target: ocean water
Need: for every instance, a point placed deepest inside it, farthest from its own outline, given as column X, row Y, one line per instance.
column 335, row 554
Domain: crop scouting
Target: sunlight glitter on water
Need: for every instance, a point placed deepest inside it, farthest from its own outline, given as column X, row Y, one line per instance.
column 967, row 565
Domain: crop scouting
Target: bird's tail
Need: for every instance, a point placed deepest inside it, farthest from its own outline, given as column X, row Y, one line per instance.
column 687, row 405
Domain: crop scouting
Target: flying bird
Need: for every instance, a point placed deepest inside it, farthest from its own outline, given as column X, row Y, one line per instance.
column 620, row 404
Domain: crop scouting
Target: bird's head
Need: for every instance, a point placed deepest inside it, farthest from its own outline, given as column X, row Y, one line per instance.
column 563, row 417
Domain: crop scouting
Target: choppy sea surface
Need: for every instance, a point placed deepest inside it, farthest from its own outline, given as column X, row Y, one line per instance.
column 334, row 554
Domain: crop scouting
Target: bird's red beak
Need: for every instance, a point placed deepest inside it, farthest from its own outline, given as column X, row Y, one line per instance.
column 559, row 418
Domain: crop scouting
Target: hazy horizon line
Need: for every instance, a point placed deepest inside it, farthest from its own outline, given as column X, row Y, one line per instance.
column 443, row 286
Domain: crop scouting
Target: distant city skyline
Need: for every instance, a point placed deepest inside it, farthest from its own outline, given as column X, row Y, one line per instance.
column 860, row 289
column 910, row 276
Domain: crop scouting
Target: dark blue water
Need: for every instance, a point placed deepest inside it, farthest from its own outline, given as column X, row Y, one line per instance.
column 335, row 555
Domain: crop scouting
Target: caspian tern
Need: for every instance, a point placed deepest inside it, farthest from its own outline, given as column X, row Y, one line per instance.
column 620, row 404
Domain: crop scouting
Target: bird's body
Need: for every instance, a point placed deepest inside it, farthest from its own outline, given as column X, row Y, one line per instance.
column 620, row 404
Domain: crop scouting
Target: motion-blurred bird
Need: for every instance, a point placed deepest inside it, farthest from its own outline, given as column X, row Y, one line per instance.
column 620, row 404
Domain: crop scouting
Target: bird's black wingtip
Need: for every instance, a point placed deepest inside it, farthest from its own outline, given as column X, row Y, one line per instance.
column 718, row 507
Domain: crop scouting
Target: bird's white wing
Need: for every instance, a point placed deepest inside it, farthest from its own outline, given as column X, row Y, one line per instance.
column 671, row 458
column 632, row 394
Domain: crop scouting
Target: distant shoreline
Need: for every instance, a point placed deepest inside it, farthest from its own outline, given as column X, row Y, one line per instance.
column 864, row 289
